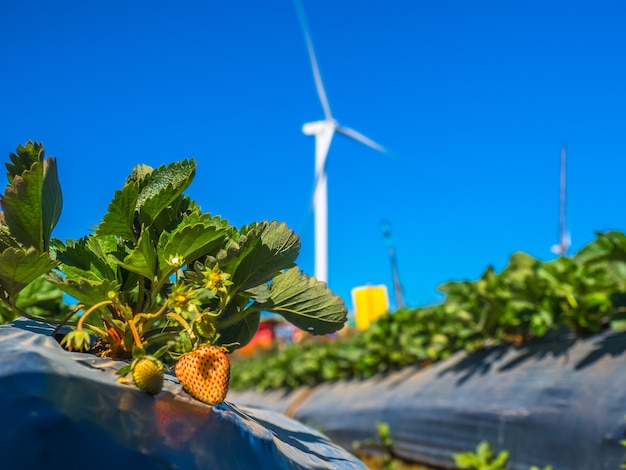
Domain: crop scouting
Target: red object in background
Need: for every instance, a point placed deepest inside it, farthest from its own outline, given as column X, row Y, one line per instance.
column 263, row 338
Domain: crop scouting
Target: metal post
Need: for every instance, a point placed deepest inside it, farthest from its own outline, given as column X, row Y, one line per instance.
column 397, row 287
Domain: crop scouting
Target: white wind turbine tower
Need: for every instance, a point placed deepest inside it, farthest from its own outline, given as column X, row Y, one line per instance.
column 323, row 131
column 564, row 236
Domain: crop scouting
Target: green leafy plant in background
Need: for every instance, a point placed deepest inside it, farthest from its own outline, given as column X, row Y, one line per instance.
column 407, row 337
column 41, row 299
column 528, row 299
column 158, row 275
column 382, row 443
column 483, row 458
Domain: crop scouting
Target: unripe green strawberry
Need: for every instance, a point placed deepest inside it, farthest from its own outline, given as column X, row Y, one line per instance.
column 205, row 374
column 148, row 374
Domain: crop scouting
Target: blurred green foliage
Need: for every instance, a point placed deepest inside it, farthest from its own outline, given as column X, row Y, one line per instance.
column 585, row 294
column 482, row 459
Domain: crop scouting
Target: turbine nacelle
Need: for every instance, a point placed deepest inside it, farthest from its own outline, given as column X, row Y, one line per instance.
column 319, row 127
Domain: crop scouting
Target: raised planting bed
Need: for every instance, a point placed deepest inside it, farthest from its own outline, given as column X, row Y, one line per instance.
column 62, row 410
column 556, row 401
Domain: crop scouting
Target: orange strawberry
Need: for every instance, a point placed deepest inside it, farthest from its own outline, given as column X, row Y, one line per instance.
column 205, row 374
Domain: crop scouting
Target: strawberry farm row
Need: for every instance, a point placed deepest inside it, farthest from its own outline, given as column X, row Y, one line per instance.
column 584, row 294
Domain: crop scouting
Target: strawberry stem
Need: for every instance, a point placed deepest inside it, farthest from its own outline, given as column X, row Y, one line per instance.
column 67, row 318
column 84, row 316
column 133, row 330
column 179, row 319
column 150, row 318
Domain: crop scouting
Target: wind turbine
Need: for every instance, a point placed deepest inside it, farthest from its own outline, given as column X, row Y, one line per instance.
column 323, row 131
column 564, row 236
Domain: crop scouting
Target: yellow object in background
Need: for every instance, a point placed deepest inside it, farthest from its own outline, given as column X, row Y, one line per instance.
column 369, row 303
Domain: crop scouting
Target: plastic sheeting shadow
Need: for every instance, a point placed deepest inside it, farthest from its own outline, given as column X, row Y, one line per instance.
column 478, row 363
column 609, row 345
column 538, row 350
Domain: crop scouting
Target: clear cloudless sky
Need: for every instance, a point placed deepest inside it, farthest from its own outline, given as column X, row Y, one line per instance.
column 476, row 98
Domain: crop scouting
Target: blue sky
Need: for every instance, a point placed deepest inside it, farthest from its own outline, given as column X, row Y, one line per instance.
column 477, row 99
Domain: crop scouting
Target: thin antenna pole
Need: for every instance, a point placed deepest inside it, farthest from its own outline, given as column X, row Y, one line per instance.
column 397, row 287
column 562, row 200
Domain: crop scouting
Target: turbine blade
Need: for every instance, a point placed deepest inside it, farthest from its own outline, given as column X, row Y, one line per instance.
column 369, row 142
column 360, row 138
column 321, row 93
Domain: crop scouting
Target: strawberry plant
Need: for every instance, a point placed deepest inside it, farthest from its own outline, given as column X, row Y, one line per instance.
column 406, row 337
column 483, row 459
column 528, row 299
column 158, row 278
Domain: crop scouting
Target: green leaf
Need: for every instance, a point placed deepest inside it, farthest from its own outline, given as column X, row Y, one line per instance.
column 170, row 218
column 609, row 245
column 143, row 259
column 22, row 206
column 124, row 370
column 85, row 258
column 306, row 303
column 6, row 239
column 42, row 295
column 259, row 293
column 161, row 351
column 617, row 270
column 161, row 187
column 484, row 452
column 466, row 460
column 88, row 292
column 195, row 216
column 264, row 255
column 521, row 265
column 21, row 161
column 19, row 267
column 456, row 288
column 52, row 199
column 6, row 314
column 32, row 202
column 238, row 335
column 618, row 325
column 119, row 219
column 501, row 460
column 138, row 352
column 188, row 243
column 140, row 173
column 106, row 248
